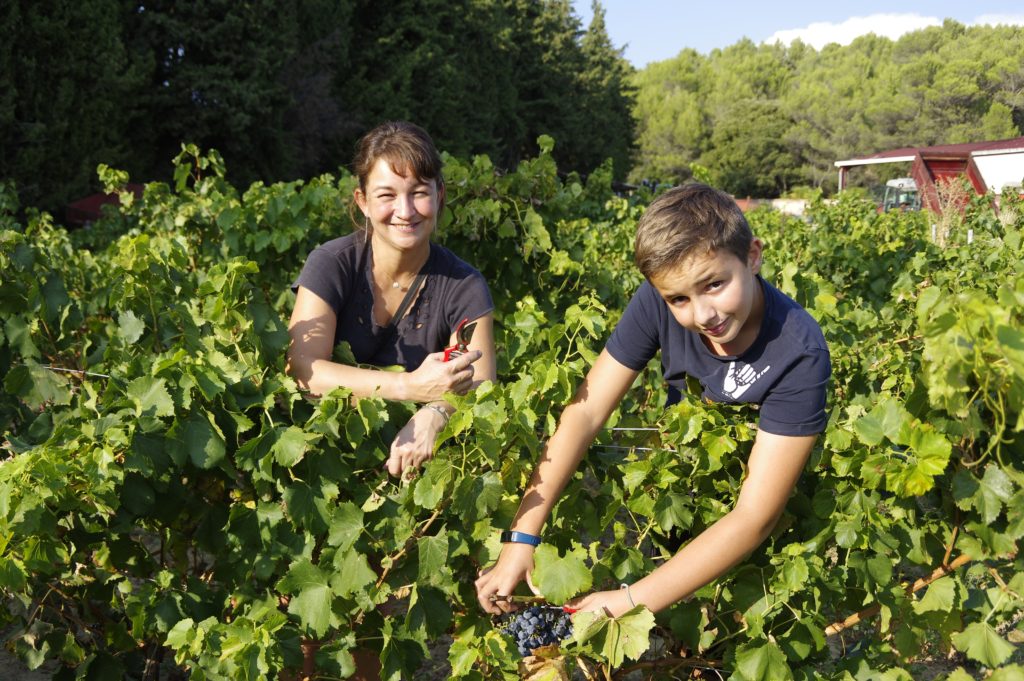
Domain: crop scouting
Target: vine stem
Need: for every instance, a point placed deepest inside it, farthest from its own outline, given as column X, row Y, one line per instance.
column 906, row 339
column 952, row 540
column 1002, row 584
column 39, row 607
column 402, row 552
column 585, row 668
column 50, row 367
column 872, row 610
column 671, row 665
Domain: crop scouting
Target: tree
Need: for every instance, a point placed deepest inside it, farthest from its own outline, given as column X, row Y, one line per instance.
column 214, row 79
column 672, row 130
column 64, row 80
column 319, row 117
column 442, row 65
column 808, row 108
column 610, row 98
column 748, row 154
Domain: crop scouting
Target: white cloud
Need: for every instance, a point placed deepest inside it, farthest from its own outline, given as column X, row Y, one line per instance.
column 995, row 19
column 822, row 33
column 890, row 26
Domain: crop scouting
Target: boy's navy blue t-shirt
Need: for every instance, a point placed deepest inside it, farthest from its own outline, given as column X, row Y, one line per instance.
column 785, row 371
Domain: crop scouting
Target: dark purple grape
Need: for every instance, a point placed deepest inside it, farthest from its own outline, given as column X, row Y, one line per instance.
column 535, row 626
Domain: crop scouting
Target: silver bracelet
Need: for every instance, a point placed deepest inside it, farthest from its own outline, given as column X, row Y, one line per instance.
column 628, row 595
column 440, row 411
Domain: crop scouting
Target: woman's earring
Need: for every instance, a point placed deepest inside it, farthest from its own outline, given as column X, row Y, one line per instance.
column 366, row 228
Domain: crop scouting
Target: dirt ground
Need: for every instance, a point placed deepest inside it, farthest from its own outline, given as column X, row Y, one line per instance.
column 11, row 669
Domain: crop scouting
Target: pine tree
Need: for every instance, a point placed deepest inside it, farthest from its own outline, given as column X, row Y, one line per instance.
column 65, row 92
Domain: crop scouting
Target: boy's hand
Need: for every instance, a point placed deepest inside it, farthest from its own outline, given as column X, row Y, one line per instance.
column 514, row 565
column 611, row 603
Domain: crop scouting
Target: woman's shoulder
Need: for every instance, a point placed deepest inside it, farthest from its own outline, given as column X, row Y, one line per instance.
column 447, row 263
column 461, row 287
column 343, row 246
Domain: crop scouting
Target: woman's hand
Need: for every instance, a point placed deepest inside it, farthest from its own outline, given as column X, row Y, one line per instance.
column 514, row 565
column 611, row 603
column 435, row 377
column 414, row 443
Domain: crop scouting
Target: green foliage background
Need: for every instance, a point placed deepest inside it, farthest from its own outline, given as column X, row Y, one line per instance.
column 765, row 118
column 168, row 497
column 283, row 90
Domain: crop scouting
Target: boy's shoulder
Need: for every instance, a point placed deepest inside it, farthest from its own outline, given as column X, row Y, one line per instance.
column 787, row 321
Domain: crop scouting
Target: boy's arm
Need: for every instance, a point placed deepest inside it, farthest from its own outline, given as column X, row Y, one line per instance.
column 595, row 399
column 775, row 463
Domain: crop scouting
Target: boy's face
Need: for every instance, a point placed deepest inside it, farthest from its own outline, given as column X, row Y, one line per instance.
column 716, row 295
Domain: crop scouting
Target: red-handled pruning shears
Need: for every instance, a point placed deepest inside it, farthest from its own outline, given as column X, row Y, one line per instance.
column 463, row 334
column 532, row 600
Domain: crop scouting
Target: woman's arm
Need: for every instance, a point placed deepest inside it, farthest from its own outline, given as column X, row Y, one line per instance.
column 596, row 398
column 414, row 444
column 776, row 462
column 485, row 368
column 312, row 328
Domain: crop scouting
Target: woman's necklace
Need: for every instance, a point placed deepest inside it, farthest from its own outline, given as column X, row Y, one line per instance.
column 397, row 286
column 395, row 283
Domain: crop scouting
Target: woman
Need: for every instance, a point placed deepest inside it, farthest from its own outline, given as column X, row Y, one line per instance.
column 394, row 296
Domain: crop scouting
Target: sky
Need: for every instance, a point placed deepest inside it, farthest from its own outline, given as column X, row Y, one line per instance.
column 654, row 30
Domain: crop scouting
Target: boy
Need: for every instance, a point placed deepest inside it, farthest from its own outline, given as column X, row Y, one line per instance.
column 713, row 317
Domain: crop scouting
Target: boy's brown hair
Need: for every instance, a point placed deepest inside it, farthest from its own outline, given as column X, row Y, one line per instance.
column 689, row 220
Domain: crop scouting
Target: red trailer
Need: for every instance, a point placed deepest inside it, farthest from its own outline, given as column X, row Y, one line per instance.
column 88, row 209
column 989, row 166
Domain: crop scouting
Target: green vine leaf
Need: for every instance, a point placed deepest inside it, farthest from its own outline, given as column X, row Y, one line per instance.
column 987, row 495
column 943, row 595
column 353, row 573
column 130, row 327
column 37, row 385
column 199, row 439
column 346, row 525
column 615, row 638
column 311, row 595
column 290, row 445
column 433, row 563
column 150, row 396
column 762, row 661
column 980, row 642
column 560, row 578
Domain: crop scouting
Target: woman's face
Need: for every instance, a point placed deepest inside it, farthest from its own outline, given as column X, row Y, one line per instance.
column 402, row 209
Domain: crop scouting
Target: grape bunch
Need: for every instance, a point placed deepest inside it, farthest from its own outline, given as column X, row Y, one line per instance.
column 535, row 626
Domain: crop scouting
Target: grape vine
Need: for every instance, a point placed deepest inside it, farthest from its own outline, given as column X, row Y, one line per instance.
column 168, row 497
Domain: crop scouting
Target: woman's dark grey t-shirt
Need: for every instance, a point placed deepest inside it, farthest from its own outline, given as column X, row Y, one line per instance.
column 339, row 272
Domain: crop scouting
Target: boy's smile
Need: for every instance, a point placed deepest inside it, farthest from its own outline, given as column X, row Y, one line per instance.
column 716, row 295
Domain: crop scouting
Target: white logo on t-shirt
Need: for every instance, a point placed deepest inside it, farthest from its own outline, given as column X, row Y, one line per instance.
column 739, row 379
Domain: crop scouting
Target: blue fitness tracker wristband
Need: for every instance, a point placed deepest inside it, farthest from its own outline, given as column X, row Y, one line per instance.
column 519, row 538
